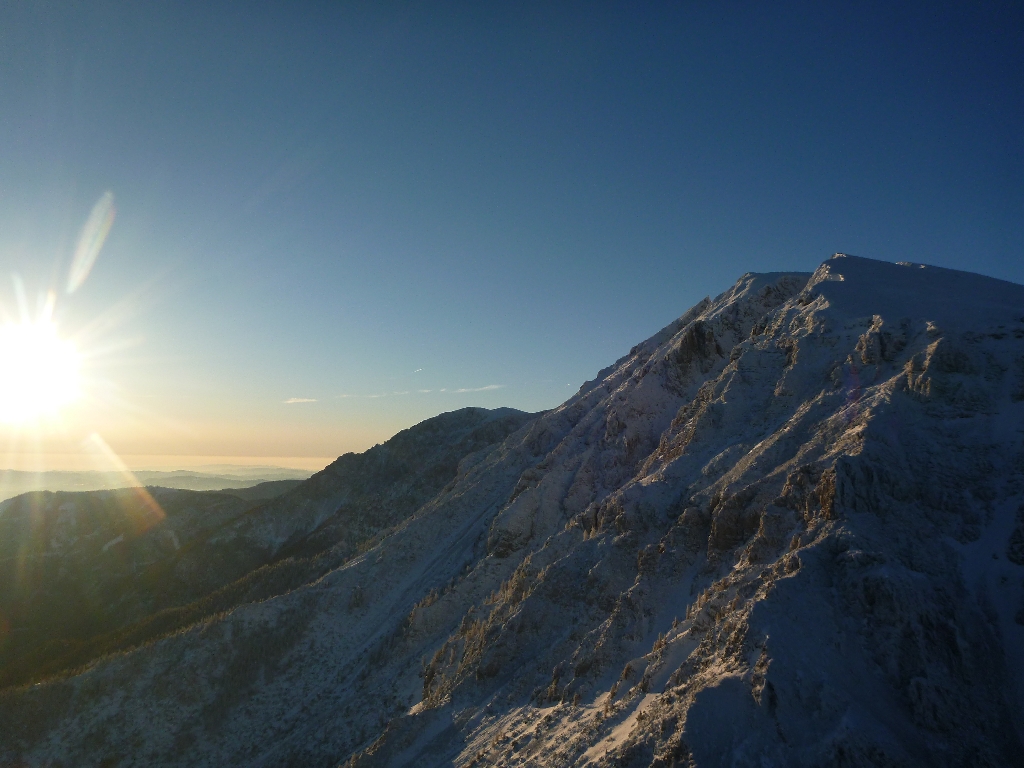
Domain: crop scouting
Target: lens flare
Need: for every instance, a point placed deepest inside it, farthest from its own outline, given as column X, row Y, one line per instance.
column 147, row 512
column 91, row 240
column 39, row 371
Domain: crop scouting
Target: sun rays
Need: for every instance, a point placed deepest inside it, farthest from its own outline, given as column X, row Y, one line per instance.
column 48, row 390
column 39, row 370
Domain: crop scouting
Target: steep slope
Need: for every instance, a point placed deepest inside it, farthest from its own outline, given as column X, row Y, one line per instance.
column 355, row 498
column 785, row 530
column 87, row 573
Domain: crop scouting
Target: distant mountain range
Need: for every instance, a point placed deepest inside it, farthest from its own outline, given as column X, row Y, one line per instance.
column 15, row 482
column 786, row 530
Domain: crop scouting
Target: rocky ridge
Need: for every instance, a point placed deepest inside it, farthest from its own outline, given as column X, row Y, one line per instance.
column 785, row 530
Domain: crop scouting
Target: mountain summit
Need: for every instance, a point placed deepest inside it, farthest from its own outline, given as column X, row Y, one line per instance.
column 788, row 529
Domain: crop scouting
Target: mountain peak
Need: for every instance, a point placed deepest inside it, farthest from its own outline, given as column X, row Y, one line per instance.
column 783, row 530
column 857, row 286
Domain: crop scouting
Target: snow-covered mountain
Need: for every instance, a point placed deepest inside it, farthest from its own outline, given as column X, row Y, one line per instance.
column 786, row 530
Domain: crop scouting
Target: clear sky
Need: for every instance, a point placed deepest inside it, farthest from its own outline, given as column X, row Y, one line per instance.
column 384, row 211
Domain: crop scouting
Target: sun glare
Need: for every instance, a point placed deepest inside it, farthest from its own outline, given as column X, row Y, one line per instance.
column 39, row 372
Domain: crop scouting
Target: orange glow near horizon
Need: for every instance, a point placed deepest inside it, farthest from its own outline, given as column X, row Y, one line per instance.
column 71, row 461
column 68, row 400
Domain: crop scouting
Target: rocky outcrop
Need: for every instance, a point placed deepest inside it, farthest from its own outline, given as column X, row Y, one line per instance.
column 782, row 531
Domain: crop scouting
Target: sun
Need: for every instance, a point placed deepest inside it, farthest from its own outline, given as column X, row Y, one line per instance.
column 39, row 371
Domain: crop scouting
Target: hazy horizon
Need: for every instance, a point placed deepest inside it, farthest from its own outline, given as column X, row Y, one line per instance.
column 76, row 462
column 14, row 483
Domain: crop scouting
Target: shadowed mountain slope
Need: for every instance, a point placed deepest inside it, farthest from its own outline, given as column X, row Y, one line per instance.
column 352, row 500
column 785, row 530
column 269, row 489
column 74, row 565
column 82, row 574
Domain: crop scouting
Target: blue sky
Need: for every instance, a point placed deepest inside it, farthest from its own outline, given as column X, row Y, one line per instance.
column 355, row 199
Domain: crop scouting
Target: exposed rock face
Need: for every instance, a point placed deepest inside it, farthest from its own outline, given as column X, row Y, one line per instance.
column 783, row 531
